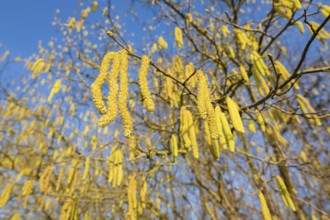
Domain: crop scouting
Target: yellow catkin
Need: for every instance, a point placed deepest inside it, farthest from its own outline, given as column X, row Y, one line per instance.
column 260, row 120
column 60, row 176
column 44, row 178
column 207, row 133
column 300, row 26
column 264, row 207
column 123, row 95
column 143, row 84
column 174, row 147
column 220, row 129
column 143, row 192
column 285, row 193
column 96, row 88
column 280, row 69
column 203, row 95
column 16, row 216
column 178, row 36
column 27, row 190
column 184, row 128
column 86, row 168
column 56, row 88
column 5, row 55
column 94, row 6
column 251, row 126
column 131, row 194
column 112, row 111
column 162, row 44
column 5, row 195
column 244, row 73
column 325, row 10
column 214, row 132
column 227, row 131
column 307, row 108
column 235, row 116
column 192, row 134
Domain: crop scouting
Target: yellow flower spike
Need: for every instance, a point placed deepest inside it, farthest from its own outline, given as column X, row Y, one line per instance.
column 260, row 120
column 203, row 95
column 325, row 10
column 5, row 55
column 55, row 89
column 184, row 128
column 123, row 95
column 207, row 133
column 220, row 129
column 131, row 194
column 280, row 69
column 112, row 110
column 178, row 36
column 96, row 87
column 162, row 43
column 244, row 73
column 143, row 191
column 228, row 134
column 307, row 108
column 300, row 26
column 192, row 134
column 143, row 84
column 235, row 116
column 86, row 168
column 5, row 195
column 214, row 132
column 94, row 6
column 174, row 147
column 285, row 193
column 16, row 216
column 264, row 206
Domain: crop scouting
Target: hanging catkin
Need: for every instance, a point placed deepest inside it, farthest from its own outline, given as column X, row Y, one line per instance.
column 96, row 87
column 235, row 116
column 143, row 84
column 264, row 206
column 123, row 95
column 112, row 111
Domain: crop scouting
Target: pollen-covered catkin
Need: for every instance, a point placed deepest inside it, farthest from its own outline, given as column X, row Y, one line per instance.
column 212, row 124
column 220, row 129
column 112, row 111
column 203, row 95
column 244, row 73
column 260, row 120
column 143, row 83
column 96, row 87
column 131, row 194
column 228, row 134
column 184, row 128
column 192, row 134
column 235, row 116
column 123, row 95
column 264, row 207
column 178, row 36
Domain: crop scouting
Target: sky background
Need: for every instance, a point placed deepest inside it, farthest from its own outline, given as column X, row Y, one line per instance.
column 23, row 23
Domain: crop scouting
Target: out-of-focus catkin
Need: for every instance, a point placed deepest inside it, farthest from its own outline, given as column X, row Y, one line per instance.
column 143, row 83
column 174, row 147
column 123, row 94
column 260, row 120
column 178, row 36
column 220, row 128
column 5, row 195
column 184, row 128
column 235, row 116
column 228, row 134
column 192, row 134
column 285, row 193
column 264, row 206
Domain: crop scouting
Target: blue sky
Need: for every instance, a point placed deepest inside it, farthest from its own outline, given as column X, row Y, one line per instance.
column 23, row 23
